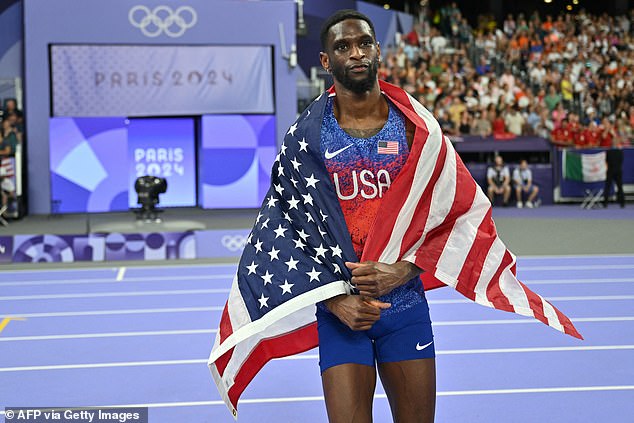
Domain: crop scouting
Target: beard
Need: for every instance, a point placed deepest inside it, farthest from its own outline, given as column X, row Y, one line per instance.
column 357, row 86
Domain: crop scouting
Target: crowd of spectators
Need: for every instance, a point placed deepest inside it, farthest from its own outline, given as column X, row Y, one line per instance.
column 568, row 78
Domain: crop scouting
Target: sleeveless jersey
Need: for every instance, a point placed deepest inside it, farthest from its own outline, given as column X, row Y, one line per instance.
column 362, row 170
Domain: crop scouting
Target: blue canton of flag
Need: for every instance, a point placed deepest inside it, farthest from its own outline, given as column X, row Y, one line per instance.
column 296, row 243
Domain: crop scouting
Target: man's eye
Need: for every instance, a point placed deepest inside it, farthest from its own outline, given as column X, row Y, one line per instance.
column 367, row 43
column 341, row 47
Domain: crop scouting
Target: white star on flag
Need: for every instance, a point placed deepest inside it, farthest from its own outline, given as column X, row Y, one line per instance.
column 273, row 254
column 292, row 264
column 279, row 232
column 314, row 275
column 267, row 278
column 252, row 267
column 286, row 287
column 263, row 301
column 312, row 181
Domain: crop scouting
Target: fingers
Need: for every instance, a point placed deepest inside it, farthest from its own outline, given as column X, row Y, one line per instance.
column 376, row 303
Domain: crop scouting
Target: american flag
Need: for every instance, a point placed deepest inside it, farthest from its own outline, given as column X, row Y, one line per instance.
column 433, row 215
column 7, row 169
column 387, row 147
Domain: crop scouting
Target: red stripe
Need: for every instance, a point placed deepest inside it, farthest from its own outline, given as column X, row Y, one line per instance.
column 225, row 328
column 222, row 361
column 494, row 293
column 472, row 268
column 569, row 328
column 421, row 214
column 395, row 197
column 298, row 341
column 429, row 253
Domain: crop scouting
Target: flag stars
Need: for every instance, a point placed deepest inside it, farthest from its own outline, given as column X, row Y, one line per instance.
column 303, row 145
column 283, row 150
column 265, row 224
column 292, row 203
column 249, row 238
column 279, row 189
column 258, row 246
column 287, row 217
column 280, row 170
column 308, row 199
column 296, row 164
column 291, row 263
column 323, row 216
column 299, row 244
column 252, row 267
column 311, row 181
column 337, row 268
column 286, row 287
column 321, row 251
column 273, row 254
column 314, row 275
column 302, row 234
column 263, row 301
column 309, row 218
column 336, row 251
column 294, row 182
column 267, row 278
column 279, row 232
column 272, row 201
column 321, row 233
column 292, row 129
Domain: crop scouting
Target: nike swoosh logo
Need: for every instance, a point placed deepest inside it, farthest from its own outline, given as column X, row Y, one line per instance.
column 330, row 155
column 419, row 347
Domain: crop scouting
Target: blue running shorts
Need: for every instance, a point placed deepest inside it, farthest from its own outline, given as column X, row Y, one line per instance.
column 406, row 335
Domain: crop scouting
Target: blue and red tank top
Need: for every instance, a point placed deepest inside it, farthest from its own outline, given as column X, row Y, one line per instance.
column 362, row 170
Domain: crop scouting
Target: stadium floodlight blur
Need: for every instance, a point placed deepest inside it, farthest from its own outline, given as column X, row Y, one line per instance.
column 148, row 189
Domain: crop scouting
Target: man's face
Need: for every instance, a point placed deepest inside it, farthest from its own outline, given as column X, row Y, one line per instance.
column 498, row 161
column 352, row 55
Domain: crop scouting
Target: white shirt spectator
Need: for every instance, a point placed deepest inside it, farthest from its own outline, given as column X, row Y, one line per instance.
column 522, row 176
column 497, row 174
column 514, row 122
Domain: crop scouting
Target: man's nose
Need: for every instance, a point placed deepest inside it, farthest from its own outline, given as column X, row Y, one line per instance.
column 357, row 51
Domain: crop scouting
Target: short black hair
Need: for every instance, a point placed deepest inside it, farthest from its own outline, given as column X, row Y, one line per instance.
column 339, row 16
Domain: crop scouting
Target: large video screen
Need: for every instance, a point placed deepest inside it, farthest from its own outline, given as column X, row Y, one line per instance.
column 235, row 159
column 160, row 80
column 95, row 161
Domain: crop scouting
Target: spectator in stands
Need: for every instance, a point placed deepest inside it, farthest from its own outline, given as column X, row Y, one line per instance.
column 481, row 124
column 523, row 181
column 498, row 180
column 514, row 121
column 10, row 135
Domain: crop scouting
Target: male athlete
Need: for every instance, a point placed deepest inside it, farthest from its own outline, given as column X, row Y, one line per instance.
column 365, row 141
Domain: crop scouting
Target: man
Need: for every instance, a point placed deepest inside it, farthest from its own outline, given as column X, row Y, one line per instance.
column 498, row 180
column 614, row 173
column 523, row 180
column 384, row 196
column 355, row 331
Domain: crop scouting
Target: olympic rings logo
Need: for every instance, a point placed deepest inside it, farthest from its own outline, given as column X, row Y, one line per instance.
column 163, row 19
column 233, row 242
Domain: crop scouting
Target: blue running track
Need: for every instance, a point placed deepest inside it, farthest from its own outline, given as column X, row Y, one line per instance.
column 140, row 336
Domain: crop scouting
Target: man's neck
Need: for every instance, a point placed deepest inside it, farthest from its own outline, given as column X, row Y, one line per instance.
column 355, row 107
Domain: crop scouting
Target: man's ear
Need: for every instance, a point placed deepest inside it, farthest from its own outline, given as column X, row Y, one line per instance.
column 325, row 61
column 378, row 50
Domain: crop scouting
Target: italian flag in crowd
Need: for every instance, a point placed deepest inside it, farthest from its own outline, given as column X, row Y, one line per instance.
column 584, row 167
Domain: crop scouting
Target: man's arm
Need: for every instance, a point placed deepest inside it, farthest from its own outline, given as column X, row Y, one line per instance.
column 374, row 279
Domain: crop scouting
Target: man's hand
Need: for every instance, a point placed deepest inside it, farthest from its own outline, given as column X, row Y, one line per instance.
column 356, row 311
column 374, row 279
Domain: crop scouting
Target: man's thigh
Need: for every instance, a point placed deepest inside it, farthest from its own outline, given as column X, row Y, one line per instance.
column 410, row 386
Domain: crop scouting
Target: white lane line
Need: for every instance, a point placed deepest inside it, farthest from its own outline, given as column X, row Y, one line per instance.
column 117, row 312
column 207, row 331
column 224, row 276
column 120, row 274
column 220, row 308
column 244, row 401
column 164, row 264
column 522, row 320
column 310, row 357
column 569, row 298
column 530, row 282
column 579, row 267
column 107, row 335
column 115, row 294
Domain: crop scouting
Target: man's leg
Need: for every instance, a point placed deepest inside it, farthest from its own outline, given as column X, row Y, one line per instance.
column 410, row 386
column 349, row 392
column 620, row 195
column 506, row 190
column 518, row 195
column 533, row 194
